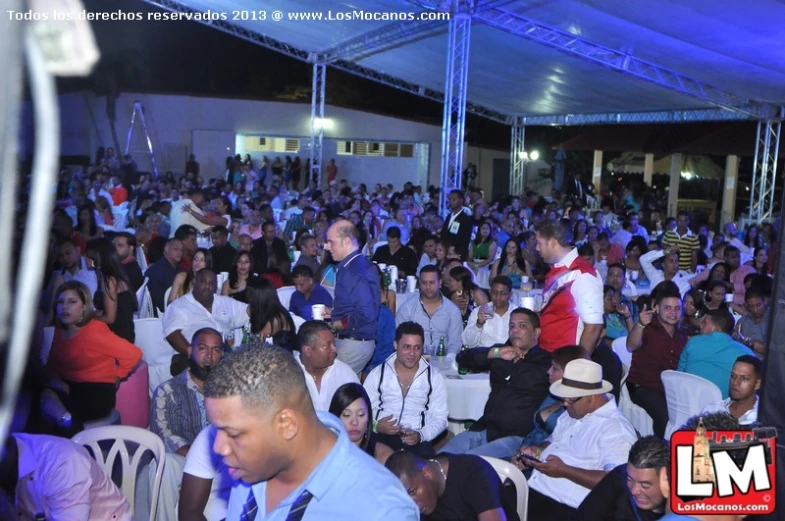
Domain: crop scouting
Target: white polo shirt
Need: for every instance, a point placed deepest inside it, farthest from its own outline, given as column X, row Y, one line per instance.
column 601, row 440
column 496, row 330
column 336, row 375
column 189, row 316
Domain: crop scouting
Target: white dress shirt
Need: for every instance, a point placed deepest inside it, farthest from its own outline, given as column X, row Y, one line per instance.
column 496, row 329
column 601, row 440
column 655, row 276
column 201, row 462
column 336, row 375
column 59, row 479
column 178, row 217
column 84, row 275
column 748, row 418
column 188, row 316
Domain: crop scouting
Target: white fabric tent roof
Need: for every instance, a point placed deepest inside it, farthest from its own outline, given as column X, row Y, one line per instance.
column 733, row 45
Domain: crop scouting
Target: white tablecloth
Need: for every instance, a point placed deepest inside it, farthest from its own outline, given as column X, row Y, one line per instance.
column 466, row 394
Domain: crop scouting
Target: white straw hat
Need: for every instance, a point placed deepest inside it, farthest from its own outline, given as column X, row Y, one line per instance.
column 581, row 378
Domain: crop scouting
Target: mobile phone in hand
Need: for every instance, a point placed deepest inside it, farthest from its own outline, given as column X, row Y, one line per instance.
column 530, row 457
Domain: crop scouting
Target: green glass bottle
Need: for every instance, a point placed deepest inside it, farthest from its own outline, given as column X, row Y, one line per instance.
column 442, row 351
column 247, row 337
column 291, row 253
column 462, row 369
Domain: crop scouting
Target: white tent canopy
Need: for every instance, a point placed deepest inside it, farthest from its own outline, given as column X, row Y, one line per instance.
column 568, row 61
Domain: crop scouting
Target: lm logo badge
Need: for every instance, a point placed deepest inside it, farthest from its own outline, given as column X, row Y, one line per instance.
column 723, row 471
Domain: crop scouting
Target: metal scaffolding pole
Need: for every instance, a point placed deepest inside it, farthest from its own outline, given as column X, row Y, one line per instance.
column 764, row 170
column 317, row 121
column 517, row 158
column 454, row 117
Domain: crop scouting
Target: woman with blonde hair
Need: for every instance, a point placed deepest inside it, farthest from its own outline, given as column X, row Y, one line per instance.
column 87, row 360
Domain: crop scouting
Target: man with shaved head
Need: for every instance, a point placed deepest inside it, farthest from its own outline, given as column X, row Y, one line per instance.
column 357, row 299
column 289, row 461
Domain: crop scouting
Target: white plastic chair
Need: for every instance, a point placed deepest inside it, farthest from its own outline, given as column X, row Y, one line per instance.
column 141, row 259
column 507, row 470
column 46, row 344
column 619, row 347
column 687, row 395
column 144, row 302
column 285, row 295
column 156, row 351
column 639, row 418
column 166, row 297
column 121, row 435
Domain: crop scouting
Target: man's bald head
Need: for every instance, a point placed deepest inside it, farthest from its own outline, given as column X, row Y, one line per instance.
column 342, row 239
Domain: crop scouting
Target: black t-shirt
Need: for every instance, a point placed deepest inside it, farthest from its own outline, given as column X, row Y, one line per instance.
column 473, row 487
column 610, row 500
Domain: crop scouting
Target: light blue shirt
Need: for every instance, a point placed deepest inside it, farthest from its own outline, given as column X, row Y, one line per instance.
column 712, row 357
column 446, row 322
column 347, row 485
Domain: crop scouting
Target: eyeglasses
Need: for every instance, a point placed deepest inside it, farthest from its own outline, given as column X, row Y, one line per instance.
column 571, row 401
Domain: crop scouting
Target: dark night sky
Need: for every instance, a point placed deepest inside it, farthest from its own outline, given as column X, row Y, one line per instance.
column 188, row 57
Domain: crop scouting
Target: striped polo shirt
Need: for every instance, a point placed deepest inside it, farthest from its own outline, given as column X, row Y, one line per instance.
column 687, row 244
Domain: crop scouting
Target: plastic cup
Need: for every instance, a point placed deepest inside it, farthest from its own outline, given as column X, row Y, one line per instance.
column 729, row 297
column 318, row 311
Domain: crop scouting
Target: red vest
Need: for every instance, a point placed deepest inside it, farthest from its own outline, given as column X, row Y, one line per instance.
column 559, row 320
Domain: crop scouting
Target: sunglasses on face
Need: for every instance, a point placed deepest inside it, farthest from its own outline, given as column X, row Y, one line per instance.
column 571, row 401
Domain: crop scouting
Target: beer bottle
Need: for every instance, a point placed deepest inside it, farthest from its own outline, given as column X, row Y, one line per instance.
column 462, row 369
column 442, row 351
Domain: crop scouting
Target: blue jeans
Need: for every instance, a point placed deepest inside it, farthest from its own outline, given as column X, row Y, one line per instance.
column 470, row 442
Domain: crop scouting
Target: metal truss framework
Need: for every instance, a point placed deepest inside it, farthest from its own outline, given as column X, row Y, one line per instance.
column 345, row 65
column 614, row 118
column 518, row 25
column 517, row 160
column 317, row 120
column 138, row 112
column 764, row 171
column 454, row 116
column 386, row 37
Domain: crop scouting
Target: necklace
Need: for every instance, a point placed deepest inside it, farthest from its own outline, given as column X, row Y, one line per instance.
column 441, row 470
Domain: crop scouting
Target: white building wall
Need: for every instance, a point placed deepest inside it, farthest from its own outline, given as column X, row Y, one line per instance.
column 183, row 124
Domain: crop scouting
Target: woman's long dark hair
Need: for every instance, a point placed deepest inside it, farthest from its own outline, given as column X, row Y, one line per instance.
column 265, row 306
column 464, row 276
column 233, row 276
column 478, row 238
column 93, row 224
column 518, row 256
column 107, row 264
column 208, row 263
column 344, row 396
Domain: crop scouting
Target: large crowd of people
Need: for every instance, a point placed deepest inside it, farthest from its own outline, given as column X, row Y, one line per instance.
column 331, row 407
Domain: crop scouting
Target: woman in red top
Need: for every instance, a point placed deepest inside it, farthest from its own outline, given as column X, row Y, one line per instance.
column 87, row 359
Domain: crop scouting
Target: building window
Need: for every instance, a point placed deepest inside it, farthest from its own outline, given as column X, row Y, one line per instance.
column 375, row 149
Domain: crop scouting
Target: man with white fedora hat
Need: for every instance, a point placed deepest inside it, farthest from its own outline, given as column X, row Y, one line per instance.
column 590, row 440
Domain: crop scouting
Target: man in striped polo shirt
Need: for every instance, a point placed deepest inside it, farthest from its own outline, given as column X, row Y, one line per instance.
column 687, row 243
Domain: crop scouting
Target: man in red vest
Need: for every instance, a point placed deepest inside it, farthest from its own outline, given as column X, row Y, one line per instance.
column 572, row 311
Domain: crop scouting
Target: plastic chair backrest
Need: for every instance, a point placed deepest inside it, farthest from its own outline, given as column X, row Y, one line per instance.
column 285, row 295
column 687, row 395
column 46, row 344
column 141, row 259
column 132, row 402
column 507, row 470
column 142, row 305
column 156, row 351
column 120, row 435
column 619, row 347
column 166, row 297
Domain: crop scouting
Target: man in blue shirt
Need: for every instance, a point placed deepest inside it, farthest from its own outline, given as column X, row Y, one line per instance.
column 309, row 293
column 357, row 297
column 285, row 457
column 711, row 354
